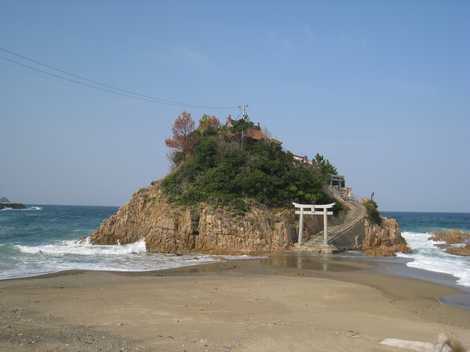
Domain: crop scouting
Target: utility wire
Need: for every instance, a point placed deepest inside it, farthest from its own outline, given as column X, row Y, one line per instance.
column 62, row 77
column 84, row 81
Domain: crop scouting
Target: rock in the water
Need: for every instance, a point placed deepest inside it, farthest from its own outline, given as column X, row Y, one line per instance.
column 463, row 251
column 5, row 203
column 456, row 242
column 450, row 236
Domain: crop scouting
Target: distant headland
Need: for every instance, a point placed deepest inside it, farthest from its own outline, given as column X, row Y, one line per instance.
column 6, row 204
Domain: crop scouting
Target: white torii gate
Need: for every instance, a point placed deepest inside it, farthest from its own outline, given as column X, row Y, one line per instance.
column 313, row 209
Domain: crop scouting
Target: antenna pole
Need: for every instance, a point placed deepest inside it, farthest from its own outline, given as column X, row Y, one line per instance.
column 243, row 109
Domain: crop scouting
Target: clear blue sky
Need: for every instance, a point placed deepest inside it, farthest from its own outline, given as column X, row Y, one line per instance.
column 382, row 88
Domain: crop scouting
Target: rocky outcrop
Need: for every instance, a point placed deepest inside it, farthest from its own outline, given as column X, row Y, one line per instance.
column 456, row 242
column 463, row 251
column 359, row 232
column 167, row 228
column 451, row 236
column 382, row 239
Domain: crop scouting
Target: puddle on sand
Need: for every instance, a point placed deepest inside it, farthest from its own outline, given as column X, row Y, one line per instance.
column 312, row 262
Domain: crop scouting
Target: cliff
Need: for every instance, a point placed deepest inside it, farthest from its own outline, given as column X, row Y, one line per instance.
column 167, row 228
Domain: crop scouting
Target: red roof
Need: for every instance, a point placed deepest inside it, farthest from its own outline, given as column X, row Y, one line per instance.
column 255, row 133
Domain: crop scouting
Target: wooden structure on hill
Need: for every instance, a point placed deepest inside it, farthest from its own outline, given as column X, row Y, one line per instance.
column 255, row 133
column 337, row 185
column 303, row 159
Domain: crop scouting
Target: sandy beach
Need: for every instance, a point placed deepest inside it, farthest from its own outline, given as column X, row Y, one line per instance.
column 267, row 305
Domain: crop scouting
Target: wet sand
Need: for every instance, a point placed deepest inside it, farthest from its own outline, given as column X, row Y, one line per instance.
column 283, row 303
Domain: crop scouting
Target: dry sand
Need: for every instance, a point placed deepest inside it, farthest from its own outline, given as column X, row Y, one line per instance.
column 270, row 305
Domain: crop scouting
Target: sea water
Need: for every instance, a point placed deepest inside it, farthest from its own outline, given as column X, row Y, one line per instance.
column 46, row 239
column 426, row 255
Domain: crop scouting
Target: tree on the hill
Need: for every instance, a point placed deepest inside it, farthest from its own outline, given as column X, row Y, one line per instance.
column 212, row 168
column 182, row 141
column 208, row 121
column 324, row 165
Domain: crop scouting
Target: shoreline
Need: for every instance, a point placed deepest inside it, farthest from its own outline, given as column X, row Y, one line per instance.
column 356, row 300
column 349, row 261
column 390, row 266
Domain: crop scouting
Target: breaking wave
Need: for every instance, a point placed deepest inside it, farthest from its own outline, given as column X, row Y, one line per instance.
column 82, row 255
column 33, row 208
column 427, row 255
column 84, row 248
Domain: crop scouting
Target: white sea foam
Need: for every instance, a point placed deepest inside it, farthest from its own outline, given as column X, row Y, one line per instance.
column 82, row 255
column 83, row 248
column 34, row 208
column 427, row 255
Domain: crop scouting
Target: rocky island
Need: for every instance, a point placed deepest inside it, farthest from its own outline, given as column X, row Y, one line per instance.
column 230, row 191
column 6, row 204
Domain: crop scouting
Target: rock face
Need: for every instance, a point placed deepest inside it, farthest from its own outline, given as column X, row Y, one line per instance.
column 384, row 239
column 167, row 228
column 171, row 229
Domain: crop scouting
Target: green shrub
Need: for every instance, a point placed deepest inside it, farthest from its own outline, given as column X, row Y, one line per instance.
column 224, row 173
column 372, row 211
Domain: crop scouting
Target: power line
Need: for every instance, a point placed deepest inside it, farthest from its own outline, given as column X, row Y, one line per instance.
column 84, row 81
column 60, row 77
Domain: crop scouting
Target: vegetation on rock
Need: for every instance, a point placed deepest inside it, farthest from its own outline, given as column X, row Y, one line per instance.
column 237, row 165
column 324, row 165
column 382, row 235
column 372, row 211
column 218, row 168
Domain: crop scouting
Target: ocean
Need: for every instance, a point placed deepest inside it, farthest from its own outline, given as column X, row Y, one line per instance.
column 46, row 239
column 426, row 255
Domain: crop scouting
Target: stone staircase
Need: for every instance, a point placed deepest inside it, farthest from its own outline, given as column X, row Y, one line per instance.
column 356, row 213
